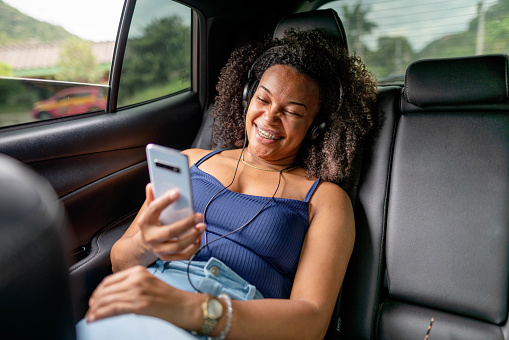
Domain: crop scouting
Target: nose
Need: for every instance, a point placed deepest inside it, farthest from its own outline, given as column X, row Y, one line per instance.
column 272, row 114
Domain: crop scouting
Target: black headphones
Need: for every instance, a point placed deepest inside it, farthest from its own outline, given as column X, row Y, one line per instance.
column 250, row 87
column 320, row 121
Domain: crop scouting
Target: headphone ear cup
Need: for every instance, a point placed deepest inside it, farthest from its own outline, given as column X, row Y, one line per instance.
column 248, row 92
column 245, row 96
column 316, row 131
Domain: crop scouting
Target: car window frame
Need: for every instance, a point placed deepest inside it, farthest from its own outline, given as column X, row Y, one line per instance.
column 119, row 55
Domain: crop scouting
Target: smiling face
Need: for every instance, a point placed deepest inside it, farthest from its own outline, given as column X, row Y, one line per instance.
column 280, row 113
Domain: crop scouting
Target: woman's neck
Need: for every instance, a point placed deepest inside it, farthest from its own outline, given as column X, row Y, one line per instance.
column 275, row 165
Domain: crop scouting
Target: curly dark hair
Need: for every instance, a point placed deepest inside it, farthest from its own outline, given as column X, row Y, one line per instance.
column 321, row 57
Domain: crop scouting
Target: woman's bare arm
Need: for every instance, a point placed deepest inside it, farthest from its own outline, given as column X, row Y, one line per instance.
column 147, row 240
column 325, row 255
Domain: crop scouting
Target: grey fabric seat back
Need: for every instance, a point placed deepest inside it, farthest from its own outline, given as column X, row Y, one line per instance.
column 447, row 222
column 35, row 295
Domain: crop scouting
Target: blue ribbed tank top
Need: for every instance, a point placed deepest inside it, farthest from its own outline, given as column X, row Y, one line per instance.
column 266, row 252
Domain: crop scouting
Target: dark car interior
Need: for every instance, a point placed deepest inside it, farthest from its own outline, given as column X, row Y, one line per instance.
column 431, row 203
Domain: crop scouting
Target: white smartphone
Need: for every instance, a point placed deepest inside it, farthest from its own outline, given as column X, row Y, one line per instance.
column 169, row 169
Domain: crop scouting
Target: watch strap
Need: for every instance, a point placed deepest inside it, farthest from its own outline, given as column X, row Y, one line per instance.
column 208, row 322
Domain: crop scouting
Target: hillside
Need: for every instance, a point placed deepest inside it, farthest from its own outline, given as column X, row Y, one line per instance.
column 16, row 27
column 464, row 43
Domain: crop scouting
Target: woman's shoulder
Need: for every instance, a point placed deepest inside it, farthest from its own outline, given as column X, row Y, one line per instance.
column 332, row 195
column 331, row 207
column 194, row 155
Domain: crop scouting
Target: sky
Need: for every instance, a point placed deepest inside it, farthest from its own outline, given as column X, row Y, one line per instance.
column 95, row 20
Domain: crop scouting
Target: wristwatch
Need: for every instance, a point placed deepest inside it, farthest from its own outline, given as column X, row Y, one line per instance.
column 212, row 312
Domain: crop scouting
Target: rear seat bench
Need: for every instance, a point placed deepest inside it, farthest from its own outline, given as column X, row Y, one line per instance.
column 432, row 209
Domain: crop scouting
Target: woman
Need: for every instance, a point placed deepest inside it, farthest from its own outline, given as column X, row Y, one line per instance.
column 272, row 211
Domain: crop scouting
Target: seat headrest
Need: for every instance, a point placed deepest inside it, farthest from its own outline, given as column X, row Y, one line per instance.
column 326, row 19
column 457, row 81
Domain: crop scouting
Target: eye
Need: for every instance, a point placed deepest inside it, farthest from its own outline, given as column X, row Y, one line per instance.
column 292, row 113
column 262, row 100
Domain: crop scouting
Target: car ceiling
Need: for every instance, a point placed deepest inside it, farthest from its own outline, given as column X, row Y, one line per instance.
column 224, row 7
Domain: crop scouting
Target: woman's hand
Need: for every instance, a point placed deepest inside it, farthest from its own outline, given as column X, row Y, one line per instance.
column 135, row 290
column 176, row 241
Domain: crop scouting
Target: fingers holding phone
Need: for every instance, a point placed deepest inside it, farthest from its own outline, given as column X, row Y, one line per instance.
column 171, row 206
column 176, row 241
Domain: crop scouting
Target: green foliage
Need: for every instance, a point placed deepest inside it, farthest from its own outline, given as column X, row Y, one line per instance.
column 158, row 57
column 16, row 27
column 77, row 62
column 450, row 46
column 389, row 61
column 392, row 57
column 5, row 69
column 153, row 92
column 11, row 93
column 497, row 37
column 357, row 25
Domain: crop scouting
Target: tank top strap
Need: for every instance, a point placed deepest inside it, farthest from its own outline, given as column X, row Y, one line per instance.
column 311, row 190
column 207, row 156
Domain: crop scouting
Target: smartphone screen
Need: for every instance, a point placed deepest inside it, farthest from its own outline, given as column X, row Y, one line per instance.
column 169, row 169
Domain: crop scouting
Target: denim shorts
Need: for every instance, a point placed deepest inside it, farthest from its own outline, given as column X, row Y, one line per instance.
column 211, row 276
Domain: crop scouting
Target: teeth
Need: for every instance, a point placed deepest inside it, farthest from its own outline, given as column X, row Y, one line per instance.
column 267, row 135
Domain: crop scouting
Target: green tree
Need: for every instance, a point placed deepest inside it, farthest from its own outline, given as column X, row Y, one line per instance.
column 159, row 56
column 496, row 31
column 494, row 40
column 392, row 57
column 450, row 46
column 497, row 38
column 12, row 92
column 357, row 25
column 77, row 62
column 5, row 69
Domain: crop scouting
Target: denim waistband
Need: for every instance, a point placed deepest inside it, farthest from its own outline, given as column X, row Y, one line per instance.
column 212, row 277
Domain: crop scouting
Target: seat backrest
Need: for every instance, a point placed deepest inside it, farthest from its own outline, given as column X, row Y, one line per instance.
column 326, row 19
column 432, row 211
column 447, row 227
column 35, row 295
column 362, row 287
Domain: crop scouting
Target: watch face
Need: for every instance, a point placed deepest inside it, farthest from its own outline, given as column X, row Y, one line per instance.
column 214, row 308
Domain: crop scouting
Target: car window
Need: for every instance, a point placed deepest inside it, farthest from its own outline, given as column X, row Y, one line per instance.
column 55, row 57
column 157, row 60
column 390, row 34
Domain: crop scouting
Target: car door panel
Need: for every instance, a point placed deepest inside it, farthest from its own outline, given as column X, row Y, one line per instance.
column 96, row 163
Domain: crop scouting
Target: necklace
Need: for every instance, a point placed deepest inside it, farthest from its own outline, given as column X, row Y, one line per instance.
column 290, row 168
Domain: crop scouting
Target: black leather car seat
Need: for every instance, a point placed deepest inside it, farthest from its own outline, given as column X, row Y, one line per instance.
column 438, row 224
column 35, row 298
column 447, row 234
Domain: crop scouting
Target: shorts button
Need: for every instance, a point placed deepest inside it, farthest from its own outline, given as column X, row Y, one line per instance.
column 215, row 271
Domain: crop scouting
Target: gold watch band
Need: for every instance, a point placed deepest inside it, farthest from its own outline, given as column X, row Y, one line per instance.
column 212, row 311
